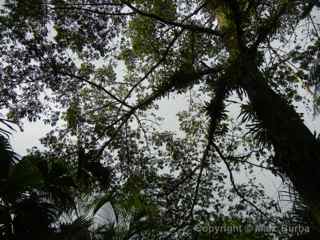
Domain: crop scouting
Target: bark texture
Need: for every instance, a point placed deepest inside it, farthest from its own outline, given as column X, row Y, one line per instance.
column 297, row 149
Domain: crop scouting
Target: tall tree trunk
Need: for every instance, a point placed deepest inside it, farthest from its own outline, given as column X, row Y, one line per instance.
column 297, row 149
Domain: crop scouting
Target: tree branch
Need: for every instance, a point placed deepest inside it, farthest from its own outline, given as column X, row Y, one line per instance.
column 168, row 86
column 182, row 181
column 190, row 27
column 215, row 110
column 252, row 164
column 270, row 25
column 166, row 52
column 98, row 86
column 225, row 160
column 95, row 11
column 154, row 67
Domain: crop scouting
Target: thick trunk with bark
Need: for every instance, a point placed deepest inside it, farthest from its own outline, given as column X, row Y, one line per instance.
column 297, row 149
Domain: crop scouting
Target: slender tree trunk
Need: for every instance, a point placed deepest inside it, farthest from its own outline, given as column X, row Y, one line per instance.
column 297, row 149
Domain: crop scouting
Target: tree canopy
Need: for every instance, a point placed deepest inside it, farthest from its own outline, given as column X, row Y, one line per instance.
column 96, row 70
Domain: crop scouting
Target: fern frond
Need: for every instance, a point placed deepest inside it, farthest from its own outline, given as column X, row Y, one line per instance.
column 255, row 127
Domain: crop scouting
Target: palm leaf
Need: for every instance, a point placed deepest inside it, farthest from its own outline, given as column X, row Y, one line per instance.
column 25, row 176
column 78, row 229
column 7, row 157
column 33, row 217
column 314, row 81
column 8, row 124
column 255, row 127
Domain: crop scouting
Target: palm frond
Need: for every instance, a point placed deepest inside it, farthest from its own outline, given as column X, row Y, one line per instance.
column 314, row 74
column 7, row 123
column 101, row 201
column 247, row 113
column 33, row 218
column 314, row 81
column 300, row 213
column 78, row 229
column 6, row 150
column 25, row 176
column 7, row 157
column 255, row 127
column 57, row 183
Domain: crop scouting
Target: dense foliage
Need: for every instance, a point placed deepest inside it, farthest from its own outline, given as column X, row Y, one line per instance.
column 96, row 70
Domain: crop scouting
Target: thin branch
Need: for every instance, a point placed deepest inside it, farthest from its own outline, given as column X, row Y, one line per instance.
column 97, row 4
column 225, row 160
column 176, row 24
column 98, row 86
column 95, row 11
column 123, row 120
column 271, row 24
column 143, row 130
column 215, row 111
column 252, row 164
column 203, row 164
column 171, row 84
column 164, row 89
column 195, row 11
column 151, row 70
column 166, row 52
column 154, row 67
column 316, row 30
column 289, row 65
column 182, row 181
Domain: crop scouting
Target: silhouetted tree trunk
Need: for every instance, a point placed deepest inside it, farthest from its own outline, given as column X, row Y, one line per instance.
column 297, row 149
